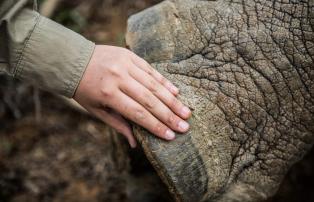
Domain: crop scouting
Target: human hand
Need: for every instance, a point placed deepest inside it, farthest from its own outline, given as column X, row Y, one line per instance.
column 117, row 84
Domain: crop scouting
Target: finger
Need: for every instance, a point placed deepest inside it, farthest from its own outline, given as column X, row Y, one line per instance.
column 160, row 92
column 132, row 110
column 150, row 102
column 141, row 63
column 117, row 122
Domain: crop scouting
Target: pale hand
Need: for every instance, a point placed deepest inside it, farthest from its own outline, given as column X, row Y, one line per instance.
column 117, row 84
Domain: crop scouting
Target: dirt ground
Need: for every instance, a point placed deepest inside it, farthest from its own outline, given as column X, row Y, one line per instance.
column 52, row 153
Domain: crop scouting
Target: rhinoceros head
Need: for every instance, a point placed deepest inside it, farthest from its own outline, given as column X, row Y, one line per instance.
column 246, row 69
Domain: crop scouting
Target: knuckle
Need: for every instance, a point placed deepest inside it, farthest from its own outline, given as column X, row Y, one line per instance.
column 173, row 103
column 121, row 49
column 139, row 115
column 150, row 72
column 159, row 129
column 106, row 92
column 149, row 103
column 127, row 51
column 153, row 86
column 163, row 80
column 172, row 119
column 115, row 71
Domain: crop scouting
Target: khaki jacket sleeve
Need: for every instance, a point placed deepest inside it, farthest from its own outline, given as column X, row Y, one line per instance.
column 38, row 50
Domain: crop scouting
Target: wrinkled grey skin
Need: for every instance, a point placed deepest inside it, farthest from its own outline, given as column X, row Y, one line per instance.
column 246, row 68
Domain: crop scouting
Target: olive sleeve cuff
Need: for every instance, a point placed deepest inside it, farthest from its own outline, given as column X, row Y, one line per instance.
column 54, row 58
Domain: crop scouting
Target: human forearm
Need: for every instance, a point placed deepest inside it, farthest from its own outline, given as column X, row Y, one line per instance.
column 38, row 50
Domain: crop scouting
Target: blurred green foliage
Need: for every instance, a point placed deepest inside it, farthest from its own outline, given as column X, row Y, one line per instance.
column 68, row 16
column 71, row 18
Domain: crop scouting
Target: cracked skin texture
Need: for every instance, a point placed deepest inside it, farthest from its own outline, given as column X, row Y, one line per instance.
column 246, row 69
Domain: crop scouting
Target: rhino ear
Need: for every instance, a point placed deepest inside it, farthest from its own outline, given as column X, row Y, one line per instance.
column 151, row 33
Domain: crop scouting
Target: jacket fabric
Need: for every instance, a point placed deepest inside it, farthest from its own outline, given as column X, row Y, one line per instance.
column 36, row 49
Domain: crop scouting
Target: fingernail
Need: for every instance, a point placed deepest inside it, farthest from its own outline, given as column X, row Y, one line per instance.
column 185, row 111
column 184, row 126
column 170, row 135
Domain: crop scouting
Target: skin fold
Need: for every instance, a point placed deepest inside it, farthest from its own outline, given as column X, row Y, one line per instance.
column 245, row 68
